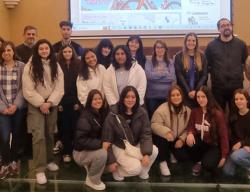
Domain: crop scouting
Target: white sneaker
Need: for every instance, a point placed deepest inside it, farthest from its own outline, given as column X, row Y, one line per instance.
column 164, row 168
column 66, row 159
column 99, row 187
column 41, row 178
column 143, row 175
column 172, row 158
column 52, row 167
column 117, row 177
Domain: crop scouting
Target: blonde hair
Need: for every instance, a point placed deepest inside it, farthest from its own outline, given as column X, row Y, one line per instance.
column 197, row 54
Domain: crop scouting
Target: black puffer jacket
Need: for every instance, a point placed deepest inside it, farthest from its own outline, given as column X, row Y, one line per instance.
column 88, row 131
column 139, row 132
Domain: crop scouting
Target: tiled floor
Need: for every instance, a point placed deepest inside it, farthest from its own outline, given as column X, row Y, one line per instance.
column 70, row 178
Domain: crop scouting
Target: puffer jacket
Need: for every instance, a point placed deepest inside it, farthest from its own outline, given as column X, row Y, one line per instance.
column 139, row 132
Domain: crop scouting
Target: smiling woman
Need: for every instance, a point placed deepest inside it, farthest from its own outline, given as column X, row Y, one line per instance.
column 11, row 109
column 43, row 88
column 91, row 75
column 121, row 73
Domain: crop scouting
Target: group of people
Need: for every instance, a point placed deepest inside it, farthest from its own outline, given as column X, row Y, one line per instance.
column 115, row 109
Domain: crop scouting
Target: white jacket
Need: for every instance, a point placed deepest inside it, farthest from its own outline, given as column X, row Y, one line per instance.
column 95, row 81
column 50, row 91
column 137, row 78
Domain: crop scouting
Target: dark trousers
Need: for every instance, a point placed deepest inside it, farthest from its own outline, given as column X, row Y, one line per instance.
column 165, row 148
column 67, row 120
column 209, row 155
column 224, row 96
column 152, row 105
column 10, row 124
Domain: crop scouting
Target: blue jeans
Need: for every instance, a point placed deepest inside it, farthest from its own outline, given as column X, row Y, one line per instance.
column 10, row 124
column 240, row 157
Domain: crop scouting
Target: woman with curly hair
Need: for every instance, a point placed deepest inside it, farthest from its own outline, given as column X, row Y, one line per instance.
column 43, row 88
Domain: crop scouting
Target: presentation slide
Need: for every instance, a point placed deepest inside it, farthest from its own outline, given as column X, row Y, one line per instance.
column 146, row 17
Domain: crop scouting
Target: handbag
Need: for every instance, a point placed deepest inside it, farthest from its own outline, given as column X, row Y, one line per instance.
column 130, row 149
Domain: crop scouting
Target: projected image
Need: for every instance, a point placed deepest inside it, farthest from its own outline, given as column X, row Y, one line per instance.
column 126, row 17
column 89, row 5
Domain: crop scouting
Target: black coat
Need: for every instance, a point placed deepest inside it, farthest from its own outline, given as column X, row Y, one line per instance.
column 88, row 131
column 139, row 131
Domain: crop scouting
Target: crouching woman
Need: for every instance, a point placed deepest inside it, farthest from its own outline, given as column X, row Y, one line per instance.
column 128, row 121
column 88, row 152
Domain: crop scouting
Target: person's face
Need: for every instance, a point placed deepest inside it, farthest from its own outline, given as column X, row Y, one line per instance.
column 160, row 50
column 44, row 50
column 66, row 32
column 240, row 101
column 191, row 42
column 97, row 102
column 8, row 53
column 106, row 51
column 30, row 36
column 225, row 28
column 67, row 53
column 175, row 97
column 91, row 60
column 120, row 56
column 130, row 100
column 201, row 99
column 133, row 45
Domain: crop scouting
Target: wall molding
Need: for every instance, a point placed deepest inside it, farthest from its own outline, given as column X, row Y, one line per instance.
column 11, row 4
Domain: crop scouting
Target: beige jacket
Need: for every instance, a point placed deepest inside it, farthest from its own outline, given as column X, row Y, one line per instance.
column 160, row 122
column 50, row 91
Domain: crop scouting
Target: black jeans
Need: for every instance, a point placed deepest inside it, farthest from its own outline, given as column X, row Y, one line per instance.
column 209, row 155
column 165, row 148
column 67, row 120
column 224, row 96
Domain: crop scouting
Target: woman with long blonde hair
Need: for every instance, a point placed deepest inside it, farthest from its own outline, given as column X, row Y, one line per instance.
column 190, row 68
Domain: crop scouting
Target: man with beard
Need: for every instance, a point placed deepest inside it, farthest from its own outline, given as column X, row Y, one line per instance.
column 24, row 51
column 226, row 56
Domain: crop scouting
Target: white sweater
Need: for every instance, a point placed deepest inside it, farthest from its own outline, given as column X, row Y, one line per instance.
column 95, row 81
column 137, row 78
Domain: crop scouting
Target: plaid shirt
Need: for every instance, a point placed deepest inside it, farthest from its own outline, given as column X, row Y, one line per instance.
column 8, row 82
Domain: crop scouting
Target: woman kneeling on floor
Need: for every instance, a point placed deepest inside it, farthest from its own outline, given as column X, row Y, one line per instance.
column 207, row 134
column 88, row 151
column 169, row 124
column 240, row 134
column 128, row 123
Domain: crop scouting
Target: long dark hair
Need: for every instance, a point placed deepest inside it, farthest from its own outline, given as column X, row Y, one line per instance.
column 103, row 110
column 37, row 65
column 84, row 67
column 128, row 63
column 212, row 108
column 104, row 60
column 178, row 108
column 234, row 112
column 121, row 106
column 2, row 49
column 74, row 62
column 140, row 57
column 165, row 58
